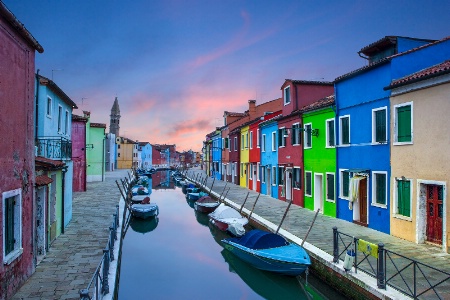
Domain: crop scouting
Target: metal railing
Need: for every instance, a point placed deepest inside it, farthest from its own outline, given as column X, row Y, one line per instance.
column 99, row 285
column 54, row 148
column 413, row 278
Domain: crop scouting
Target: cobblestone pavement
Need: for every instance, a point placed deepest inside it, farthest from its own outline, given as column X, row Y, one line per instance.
column 74, row 256
column 298, row 221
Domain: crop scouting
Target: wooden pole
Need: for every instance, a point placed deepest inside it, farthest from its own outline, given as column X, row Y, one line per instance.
column 312, row 223
column 246, row 197
column 254, row 204
column 223, row 191
column 226, row 194
column 212, row 184
column 284, row 216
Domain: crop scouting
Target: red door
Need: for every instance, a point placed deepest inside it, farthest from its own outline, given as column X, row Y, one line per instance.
column 363, row 201
column 79, row 156
column 434, row 213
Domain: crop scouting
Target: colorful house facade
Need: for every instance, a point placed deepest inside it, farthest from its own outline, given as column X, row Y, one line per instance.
column 244, row 156
column 125, row 150
column 95, row 147
column 419, row 156
column 79, row 153
column 145, row 155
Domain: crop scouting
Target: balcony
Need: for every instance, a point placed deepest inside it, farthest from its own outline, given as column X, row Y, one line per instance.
column 57, row 148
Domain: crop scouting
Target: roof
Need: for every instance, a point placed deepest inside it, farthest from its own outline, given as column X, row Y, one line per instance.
column 115, row 108
column 19, row 27
column 43, row 180
column 79, row 118
column 55, row 88
column 98, row 125
column 386, row 42
column 48, row 163
column 433, row 71
column 143, row 143
column 311, row 82
column 268, row 121
column 324, row 102
column 233, row 114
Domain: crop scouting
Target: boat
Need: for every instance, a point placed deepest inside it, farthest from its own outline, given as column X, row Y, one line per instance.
column 206, row 204
column 269, row 252
column 196, row 196
column 193, row 190
column 228, row 219
column 139, row 190
column 144, row 211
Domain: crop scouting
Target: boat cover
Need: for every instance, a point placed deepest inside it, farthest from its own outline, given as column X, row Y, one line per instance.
column 259, row 239
column 225, row 212
column 207, row 199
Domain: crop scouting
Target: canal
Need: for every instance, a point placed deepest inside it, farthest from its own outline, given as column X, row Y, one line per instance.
column 178, row 255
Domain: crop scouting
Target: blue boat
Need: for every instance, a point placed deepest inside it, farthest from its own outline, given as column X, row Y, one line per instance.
column 270, row 252
column 195, row 196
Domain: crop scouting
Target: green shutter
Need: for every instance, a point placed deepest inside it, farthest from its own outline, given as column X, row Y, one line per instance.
column 226, row 143
column 345, row 183
column 381, row 188
column 9, row 222
column 308, row 183
column 403, row 197
column 330, row 187
column 380, row 126
column 404, row 124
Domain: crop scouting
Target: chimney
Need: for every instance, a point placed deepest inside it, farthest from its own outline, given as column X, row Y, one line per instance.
column 252, row 109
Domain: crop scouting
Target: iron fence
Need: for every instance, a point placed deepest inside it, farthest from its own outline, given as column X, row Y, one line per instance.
column 58, row 148
column 413, row 278
column 99, row 285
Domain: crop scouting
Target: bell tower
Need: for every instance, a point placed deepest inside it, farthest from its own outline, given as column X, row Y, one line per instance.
column 114, row 118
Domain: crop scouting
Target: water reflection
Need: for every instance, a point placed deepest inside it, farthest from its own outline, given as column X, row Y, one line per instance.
column 144, row 226
column 201, row 218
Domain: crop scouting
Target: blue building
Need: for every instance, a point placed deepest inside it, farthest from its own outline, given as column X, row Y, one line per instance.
column 363, row 128
column 145, row 155
column 217, row 154
column 269, row 157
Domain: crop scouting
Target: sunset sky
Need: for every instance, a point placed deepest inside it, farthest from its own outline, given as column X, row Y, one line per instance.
column 176, row 66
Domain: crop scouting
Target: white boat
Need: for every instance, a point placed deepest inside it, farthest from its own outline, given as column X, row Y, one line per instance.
column 144, row 211
column 228, row 219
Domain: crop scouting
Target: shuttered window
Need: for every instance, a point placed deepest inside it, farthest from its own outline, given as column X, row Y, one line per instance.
column 330, row 133
column 296, row 136
column 345, row 130
column 308, row 142
column 403, row 198
column 330, row 187
column 9, row 222
column 280, row 175
column 297, row 178
column 380, row 126
column 287, row 95
column 380, row 188
column 404, row 124
column 345, row 183
column 308, row 183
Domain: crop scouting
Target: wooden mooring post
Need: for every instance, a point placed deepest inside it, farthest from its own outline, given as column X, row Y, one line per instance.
column 245, row 200
column 254, row 204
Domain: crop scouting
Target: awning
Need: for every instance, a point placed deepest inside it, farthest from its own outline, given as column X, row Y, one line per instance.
column 43, row 180
column 360, row 171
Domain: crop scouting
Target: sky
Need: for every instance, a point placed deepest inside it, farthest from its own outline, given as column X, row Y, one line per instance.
column 176, row 66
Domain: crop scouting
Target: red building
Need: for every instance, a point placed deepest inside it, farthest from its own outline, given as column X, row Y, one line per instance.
column 79, row 153
column 296, row 94
column 17, row 130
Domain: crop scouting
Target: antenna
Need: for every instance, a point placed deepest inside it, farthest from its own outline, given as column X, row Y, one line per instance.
column 82, row 100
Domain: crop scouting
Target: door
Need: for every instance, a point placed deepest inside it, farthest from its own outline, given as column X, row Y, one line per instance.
column 254, row 177
column 363, row 201
column 41, row 233
column 318, row 192
column 288, row 184
column 435, row 194
column 269, row 182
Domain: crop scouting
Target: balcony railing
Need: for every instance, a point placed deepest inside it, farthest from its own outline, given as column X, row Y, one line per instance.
column 58, row 148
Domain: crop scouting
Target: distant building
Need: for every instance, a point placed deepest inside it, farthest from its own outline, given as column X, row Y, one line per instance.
column 125, row 152
column 110, row 152
column 95, row 148
column 114, row 118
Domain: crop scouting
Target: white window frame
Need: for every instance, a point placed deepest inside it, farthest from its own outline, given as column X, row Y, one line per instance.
column 242, row 141
column 60, row 118
column 306, row 134
column 263, row 174
column 274, row 141
column 251, row 140
column 374, row 126
column 49, row 107
column 246, row 140
column 396, row 124
column 66, row 122
column 263, row 143
column 327, row 144
column 235, row 143
column 341, row 183
column 257, row 138
column 326, row 187
column 18, row 250
column 283, row 138
column 306, row 183
column 374, row 189
column 395, row 213
column 284, row 95
column 274, row 175
column 298, row 135
column 257, row 171
column 300, row 175
column 340, row 131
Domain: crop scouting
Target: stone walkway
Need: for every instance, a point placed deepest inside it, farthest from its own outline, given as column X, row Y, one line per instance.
column 74, row 256
column 298, row 221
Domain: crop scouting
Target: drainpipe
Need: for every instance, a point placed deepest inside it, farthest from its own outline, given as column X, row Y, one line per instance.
column 64, row 171
column 37, row 106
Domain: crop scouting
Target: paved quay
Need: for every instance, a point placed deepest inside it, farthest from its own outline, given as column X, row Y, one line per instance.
column 298, row 221
column 74, row 256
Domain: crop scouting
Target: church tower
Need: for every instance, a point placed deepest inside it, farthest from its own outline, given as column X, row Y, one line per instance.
column 114, row 118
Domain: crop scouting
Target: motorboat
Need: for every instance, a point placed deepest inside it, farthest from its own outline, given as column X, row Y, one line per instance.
column 206, row 204
column 228, row 219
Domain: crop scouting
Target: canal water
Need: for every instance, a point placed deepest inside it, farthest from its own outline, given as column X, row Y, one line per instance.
column 178, row 255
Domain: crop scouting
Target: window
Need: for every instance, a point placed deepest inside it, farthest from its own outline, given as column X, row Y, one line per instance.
column 242, row 169
column 282, row 136
column 12, row 225
column 242, row 142
column 330, row 133
column 308, row 183
column 296, row 136
column 297, row 177
column 379, row 186
column 263, row 143
column 257, row 171
column 263, row 174
column 330, row 187
column 227, row 144
column 66, row 123
column 403, row 123
column 345, row 184
column 118, row 154
column 403, row 199
column 257, row 138
column 308, row 140
column 274, row 175
column 251, row 139
column 379, row 125
column 344, row 123
column 274, row 140
column 49, row 107
column 235, row 143
column 59, row 118
column 287, row 95
column 246, row 140
column 281, row 175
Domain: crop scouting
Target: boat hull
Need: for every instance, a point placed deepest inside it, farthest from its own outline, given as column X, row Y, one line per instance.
column 144, row 211
column 205, row 208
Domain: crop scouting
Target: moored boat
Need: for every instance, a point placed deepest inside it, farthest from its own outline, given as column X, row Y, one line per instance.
column 270, row 252
column 206, row 204
column 195, row 196
column 144, row 211
column 228, row 219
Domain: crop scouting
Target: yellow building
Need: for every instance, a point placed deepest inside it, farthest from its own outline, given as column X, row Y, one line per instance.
column 244, row 157
column 420, row 156
column 126, row 150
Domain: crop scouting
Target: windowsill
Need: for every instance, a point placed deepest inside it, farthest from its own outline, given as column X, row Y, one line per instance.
column 306, row 148
column 296, row 145
column 308, row 195
column 378, row 205
column 344, row 145
column 281, row 146
column 12, row 256
column 404, row 218
column 379, row 143
column 287, row 103
column 331, row 201
column 344, row 198
column 330, row 147
column 402, row 143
